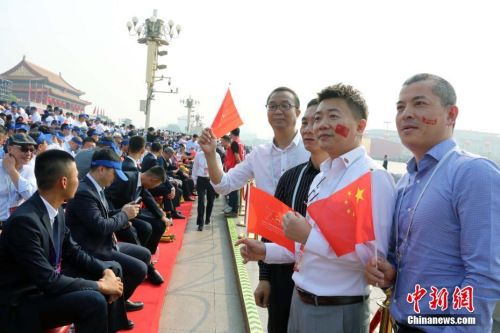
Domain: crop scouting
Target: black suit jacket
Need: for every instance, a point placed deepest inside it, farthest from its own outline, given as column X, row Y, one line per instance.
column 148, row 162
column 128, row 165
column 123, row 192
column 25, row 264
column 91, row 224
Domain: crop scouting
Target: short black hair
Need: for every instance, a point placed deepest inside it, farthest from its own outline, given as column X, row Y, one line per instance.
column 34, row 125
column 226, row 137
column 50, row 166
column 45, row 129
column 279, row 89
column 158, row 172
column 312, row 102
column 88, row 139
column 156, row 147
column 104, row 154
column 136, row 143
column 236, row 131
column 350, row 95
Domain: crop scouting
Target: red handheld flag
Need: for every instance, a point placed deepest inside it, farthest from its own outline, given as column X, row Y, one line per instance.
column 227, row 118
column 345, row 218
column 264, row 217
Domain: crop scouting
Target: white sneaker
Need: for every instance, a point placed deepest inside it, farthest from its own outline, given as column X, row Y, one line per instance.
column 228, row 209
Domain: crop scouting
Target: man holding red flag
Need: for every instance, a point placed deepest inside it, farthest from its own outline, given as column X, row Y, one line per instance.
column 331, row 291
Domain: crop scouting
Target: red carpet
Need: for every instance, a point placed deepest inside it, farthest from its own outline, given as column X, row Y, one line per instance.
column 147, row 320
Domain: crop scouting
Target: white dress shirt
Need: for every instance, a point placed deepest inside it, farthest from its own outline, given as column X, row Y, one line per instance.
column 50, row 210
column 322, row 272
column 266, row 164
column 67, row 148
column 35, row 117
column 10, row 196
column 200, row 167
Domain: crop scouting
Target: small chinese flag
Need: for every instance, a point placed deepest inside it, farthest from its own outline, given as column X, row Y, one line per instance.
column 345, row 217
column 227, row 119
column 264, row 217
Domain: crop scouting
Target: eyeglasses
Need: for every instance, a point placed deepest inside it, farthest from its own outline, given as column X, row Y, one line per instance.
column 25, row 149
column 283, row 107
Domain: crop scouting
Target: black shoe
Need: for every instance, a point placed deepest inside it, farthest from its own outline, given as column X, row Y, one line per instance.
column 200, row 228
column 130, row 325
column 133, row 306
column 177, row 216
column 207, row 222
column 189, row 199
column 153, row 276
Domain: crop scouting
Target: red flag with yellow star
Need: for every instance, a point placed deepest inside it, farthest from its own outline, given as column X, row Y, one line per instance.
column 345, row 217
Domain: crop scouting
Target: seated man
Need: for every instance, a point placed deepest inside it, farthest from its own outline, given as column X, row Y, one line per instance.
column 18, row 181
column 167, row 190
column 93, row 224
column 122, row 192
column 34, row 295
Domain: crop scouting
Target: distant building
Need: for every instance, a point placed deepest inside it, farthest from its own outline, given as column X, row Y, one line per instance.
column 5, row 90
column 32, row 83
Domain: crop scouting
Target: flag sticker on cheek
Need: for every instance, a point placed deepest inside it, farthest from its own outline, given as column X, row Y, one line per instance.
column 429, row 121
column 342, row 130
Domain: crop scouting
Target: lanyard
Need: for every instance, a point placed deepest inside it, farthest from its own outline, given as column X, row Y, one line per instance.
column 399, row 254
column 272, row 163
column 297, row 185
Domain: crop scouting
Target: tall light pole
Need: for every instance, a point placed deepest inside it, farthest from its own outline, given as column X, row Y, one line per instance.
column 190, row 105
column 154, row 33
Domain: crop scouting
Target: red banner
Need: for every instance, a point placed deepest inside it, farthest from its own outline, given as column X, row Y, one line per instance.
column 227, row 119
column 264, row 217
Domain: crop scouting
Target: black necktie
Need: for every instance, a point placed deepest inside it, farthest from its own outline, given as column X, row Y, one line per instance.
column 103, row 199
column 57, row 241
column 138, row 192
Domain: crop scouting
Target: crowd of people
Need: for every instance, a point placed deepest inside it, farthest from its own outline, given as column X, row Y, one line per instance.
column 435, row 247
column 434, row 242
column 83, row 207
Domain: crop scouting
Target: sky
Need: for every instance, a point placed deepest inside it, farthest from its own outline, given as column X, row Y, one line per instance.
column 256, row 46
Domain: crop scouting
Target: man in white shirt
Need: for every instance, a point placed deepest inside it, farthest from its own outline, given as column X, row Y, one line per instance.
column 331, row 292
column 66, row 129
column 34, row 115
column 98, row 126
column 192, row 145
column 202, row 181
column 17, row 178
column 81, row 121
column 59, row 115
column 72, row 146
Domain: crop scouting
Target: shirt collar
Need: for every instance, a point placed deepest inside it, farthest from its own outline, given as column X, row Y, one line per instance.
column 135, row 162
column 97, row 186
column 436, row 153
column 52, row 212
column 346, row 159
column 139, row 184
column 295, row 141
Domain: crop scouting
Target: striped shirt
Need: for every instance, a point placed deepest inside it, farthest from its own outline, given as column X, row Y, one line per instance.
column 284, row 192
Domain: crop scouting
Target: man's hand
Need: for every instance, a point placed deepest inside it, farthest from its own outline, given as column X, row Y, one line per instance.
column 9, row 162
column 207, row 141
column 171, row 196
column 110, row 285
column 166, row 220
column 254, row 249
column 296, row 227
column 262, row 293
column 380, row 276
column 131, row 210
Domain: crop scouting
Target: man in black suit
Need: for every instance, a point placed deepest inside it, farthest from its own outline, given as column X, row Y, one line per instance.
column 136, row 148
column 122, row 192
column 175, row 172
column 34, row 295
column 93, row 224
column 167, row 190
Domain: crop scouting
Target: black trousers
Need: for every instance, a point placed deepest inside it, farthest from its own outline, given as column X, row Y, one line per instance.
column 134, row 260
column 139, row 233
column 162, row 190
column 204, row 188
column 280, row 300
column 187, row 185
column 157, row 229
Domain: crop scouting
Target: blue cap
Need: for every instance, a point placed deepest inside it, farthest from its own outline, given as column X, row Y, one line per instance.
column 77, row 140
column 93, row 131
column 125, row 137
column 42, row 137
column 83, row 115
column 48, row 137
column 22, row 126
column 55, row 122
column 124, row 143
column 66, row 126
column 57, row 109
column 149, row 144
column 59, row 136
column 33, row 108
column 14, row 105
column 11, row 126
column 76, row 129
column 112, row 164
column 110, row 144
column 98, row 119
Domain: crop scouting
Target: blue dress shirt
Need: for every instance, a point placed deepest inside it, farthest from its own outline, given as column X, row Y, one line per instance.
column 454, row 238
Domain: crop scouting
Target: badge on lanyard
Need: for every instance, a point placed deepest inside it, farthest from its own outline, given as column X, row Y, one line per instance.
column 300, row 257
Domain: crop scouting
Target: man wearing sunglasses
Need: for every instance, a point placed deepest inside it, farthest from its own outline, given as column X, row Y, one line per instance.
column 20, row 182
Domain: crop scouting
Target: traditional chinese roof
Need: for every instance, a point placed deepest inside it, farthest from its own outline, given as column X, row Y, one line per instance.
column 28, row 71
